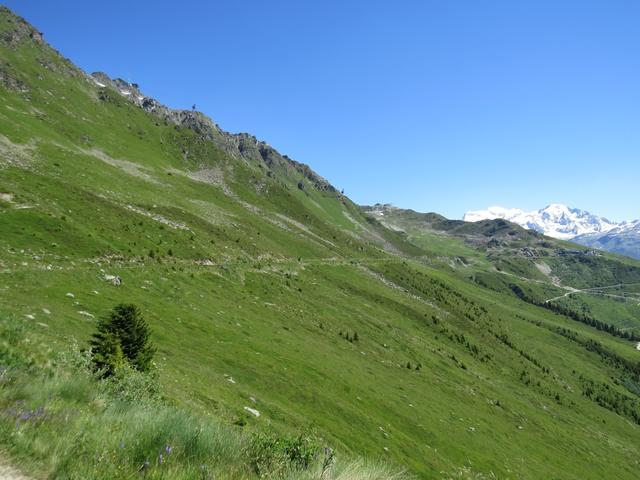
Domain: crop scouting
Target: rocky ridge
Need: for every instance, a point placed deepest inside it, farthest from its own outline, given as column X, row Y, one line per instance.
column 242, row 146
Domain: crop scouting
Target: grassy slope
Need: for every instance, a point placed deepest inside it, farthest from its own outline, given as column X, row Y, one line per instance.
column 269, row 309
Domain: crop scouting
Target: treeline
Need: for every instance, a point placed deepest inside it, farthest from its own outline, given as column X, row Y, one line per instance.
column 631, row 368
column 627, row 366
column 504, row 338
column 593, row 322
column 602, row 393
column 577, row 316
column 607, row 397
column 461, row 339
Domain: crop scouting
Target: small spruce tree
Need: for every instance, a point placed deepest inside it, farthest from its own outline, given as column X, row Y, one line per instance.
column 122, row 336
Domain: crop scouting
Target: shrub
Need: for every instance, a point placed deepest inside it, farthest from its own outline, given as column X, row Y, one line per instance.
column 130, row 385
column 107, row 354
column 273, row 455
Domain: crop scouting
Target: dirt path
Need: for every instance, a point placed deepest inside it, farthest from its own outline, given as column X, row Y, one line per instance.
column 593, row 290
column 10, row 473
column 555, row 281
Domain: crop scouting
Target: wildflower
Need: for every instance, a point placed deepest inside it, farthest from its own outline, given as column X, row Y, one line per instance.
column 160, row 459
column 168, row 449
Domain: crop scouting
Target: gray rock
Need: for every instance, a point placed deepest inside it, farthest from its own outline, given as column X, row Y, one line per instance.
column 21, row 30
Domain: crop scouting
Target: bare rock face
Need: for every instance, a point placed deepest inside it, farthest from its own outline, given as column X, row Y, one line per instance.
column 21, row 30
column 10, row 80
column 196, row 121
column 16, row 32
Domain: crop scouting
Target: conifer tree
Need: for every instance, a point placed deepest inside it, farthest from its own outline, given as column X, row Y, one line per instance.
column 122, row 336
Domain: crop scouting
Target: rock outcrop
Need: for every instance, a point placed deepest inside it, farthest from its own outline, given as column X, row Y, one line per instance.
column 242, row 146
column 21, row 30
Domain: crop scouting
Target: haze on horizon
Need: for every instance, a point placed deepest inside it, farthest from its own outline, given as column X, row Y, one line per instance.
column 435, row 106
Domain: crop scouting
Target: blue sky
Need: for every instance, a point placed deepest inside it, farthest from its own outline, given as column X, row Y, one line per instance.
column 433, row 105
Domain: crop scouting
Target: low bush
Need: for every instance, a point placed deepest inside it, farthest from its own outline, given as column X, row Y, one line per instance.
column 276, row 455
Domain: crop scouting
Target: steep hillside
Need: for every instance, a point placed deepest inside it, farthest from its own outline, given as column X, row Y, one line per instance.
column 277, row 306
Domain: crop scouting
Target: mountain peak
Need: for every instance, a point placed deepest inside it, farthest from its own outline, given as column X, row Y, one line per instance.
column 555, row 220
column 559, row 208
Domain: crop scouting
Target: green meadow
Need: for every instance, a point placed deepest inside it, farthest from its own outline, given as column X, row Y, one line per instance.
column 287, row 321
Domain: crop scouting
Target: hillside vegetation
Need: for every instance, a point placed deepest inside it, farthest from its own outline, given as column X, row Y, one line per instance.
column 286, row 320
column 594, row 286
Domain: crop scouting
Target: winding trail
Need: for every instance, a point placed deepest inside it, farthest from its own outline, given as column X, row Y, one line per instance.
column 596, row 290
column 555, row 281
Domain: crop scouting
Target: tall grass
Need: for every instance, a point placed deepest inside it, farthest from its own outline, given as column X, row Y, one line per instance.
column 58, row 421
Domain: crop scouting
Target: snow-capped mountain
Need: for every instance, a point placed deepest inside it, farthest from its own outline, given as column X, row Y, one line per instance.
column 579, row 226
column 555, row 220
column 623, row 239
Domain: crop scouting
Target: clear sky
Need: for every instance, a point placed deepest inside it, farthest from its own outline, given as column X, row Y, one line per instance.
column 435, row 105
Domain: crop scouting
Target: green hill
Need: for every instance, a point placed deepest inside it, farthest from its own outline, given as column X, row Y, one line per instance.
column 255, row 275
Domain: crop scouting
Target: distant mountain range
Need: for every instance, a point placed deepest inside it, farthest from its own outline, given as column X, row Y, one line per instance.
column 563, row 222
